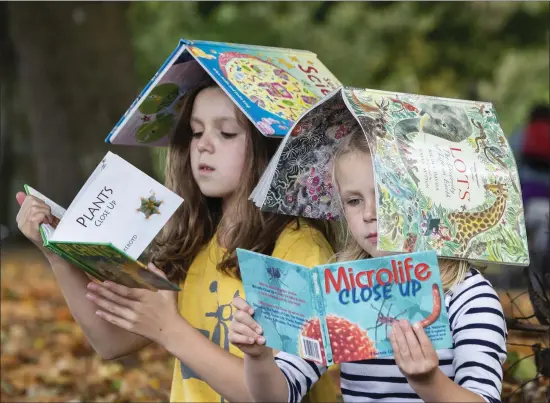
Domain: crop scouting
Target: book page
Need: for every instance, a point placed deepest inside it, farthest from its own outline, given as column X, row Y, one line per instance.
column 122, row 206
column 57, row 212
column 365, row 298
column 280, row 293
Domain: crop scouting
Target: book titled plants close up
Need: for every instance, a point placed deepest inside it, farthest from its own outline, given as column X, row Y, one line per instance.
column 109, row 224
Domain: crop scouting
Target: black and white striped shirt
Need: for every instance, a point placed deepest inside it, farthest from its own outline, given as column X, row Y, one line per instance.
column 475, row 361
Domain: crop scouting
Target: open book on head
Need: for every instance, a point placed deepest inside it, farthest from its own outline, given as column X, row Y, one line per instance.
column 272, row 86
column 111, row 221
column 445, row 176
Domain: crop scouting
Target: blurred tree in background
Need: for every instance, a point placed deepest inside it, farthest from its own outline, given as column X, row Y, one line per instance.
column 69, row 70
column 70, row 76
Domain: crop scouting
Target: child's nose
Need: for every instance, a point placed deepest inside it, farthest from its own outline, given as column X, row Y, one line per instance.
column 205, row 142
column 369, row 211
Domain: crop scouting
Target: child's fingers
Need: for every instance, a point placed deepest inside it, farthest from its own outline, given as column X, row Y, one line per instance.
column 401, row 342
column 242, row 305
column 41, row 216
column 414, row 347
column 136, row 294
column 240, row 328
column 20, row 197
column 425, row 344
column 107, row 294
column 156, row 270
column 246, row 319
column 113, row 308
column 236, row 338
column 394, row 345
column 396, row 349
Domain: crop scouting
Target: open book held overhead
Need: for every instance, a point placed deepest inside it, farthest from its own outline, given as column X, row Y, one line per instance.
column 272, row 87
column 445, row 176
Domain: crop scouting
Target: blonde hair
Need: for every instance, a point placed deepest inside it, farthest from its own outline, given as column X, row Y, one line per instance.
column 453, row 272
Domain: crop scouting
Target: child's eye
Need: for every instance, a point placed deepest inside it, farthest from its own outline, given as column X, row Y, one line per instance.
column 197, row 134
column 354, row 202
column 228, row 135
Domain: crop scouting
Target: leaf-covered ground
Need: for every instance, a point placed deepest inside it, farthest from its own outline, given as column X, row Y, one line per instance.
column 45, row 356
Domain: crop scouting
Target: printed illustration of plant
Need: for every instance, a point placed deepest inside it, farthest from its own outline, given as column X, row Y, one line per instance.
column 149, row 206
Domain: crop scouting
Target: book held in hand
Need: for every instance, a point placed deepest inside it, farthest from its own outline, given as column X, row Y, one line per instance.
column 114, row 217
column 344, row 311
column 445, row 176
column 272, row 86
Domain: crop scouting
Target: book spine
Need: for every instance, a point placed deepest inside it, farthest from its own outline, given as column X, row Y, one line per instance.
column 320, row 308
column 198, row 43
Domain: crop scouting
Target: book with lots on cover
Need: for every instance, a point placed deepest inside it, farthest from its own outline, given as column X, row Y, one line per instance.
column 110, row 223
column 272, row 86
column 344, row 311
column 445, row 176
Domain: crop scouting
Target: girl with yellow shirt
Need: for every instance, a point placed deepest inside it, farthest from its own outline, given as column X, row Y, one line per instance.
column 215, row 158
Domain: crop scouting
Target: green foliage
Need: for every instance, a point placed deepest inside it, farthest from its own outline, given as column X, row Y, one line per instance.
column 514, row 245
column 520, row 368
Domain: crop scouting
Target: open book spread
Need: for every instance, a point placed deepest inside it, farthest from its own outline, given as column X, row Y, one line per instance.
column 446, row 178
column 111, row 221
column 272, row 86
column 344, row 311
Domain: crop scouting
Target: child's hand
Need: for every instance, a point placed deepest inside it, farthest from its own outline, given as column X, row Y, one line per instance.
column 413, row 351
column 147, row 313
column 244, row 332
column 32, row 213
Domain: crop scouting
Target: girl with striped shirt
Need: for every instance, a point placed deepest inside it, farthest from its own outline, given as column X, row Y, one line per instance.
column 469, row 372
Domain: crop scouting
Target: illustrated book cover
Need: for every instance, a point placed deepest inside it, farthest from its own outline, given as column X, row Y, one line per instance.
column 272, row 86
column 342, row 312
column 445, row 176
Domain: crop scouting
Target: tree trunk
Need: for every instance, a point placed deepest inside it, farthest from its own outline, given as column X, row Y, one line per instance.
column 75, row 77
column 7, row 115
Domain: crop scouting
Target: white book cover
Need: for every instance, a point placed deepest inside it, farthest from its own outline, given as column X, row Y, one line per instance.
column 119, row 204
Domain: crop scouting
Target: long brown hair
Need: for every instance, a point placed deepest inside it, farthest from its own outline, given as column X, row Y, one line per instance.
column 198, row 219
column 452, row 271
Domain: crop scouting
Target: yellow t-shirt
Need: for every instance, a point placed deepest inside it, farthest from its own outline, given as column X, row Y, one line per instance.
column 205, row 302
